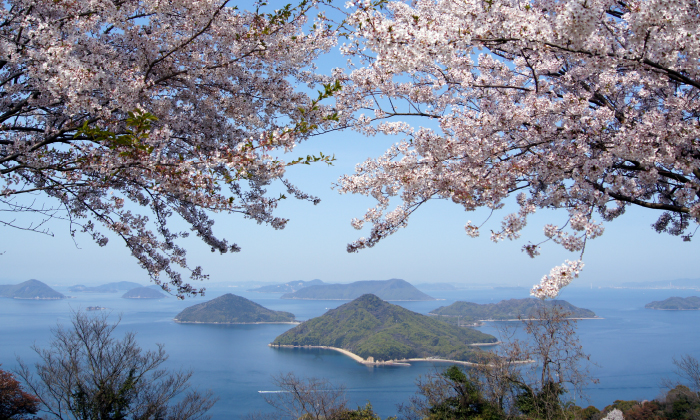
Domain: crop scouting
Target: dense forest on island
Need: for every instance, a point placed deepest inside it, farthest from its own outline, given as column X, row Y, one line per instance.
column 231, row 309
column 371, row 327
column 676, row 303
column 511, row 309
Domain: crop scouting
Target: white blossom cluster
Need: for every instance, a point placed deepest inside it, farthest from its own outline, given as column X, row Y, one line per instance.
column 219, row 82
column 589, row 106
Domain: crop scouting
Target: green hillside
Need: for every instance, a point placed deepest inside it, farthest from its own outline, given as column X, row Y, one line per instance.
column 507, row 309
column 30, row 289
column 676, row 304
column 289, row 287
column 371, row 327
column 143, row 293
column 394, row 289
column 231, row 309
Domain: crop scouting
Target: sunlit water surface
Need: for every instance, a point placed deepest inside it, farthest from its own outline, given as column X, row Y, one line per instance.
column 632, row 346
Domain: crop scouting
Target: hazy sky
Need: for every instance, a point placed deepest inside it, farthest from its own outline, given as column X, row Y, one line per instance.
column 434, row 247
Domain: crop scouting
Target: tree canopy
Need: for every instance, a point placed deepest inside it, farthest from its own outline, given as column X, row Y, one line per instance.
column 170, row 107
column 180, row 108
column 585, row 106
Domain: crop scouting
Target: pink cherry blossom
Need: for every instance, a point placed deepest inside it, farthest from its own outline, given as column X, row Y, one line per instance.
column 585, row 106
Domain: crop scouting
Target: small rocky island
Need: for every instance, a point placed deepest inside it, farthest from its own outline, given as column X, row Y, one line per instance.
column 373, row 331
column 30, row 289
column 691, row 303
column 393, row 289
column 232, row 309
column 143, row 293
column 504, row 310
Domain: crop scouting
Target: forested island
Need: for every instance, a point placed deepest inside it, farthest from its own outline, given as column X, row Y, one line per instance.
column 143, row 293
column 106, row 288
column 506, row 310
column 675, row 303
column 393, row 289
column 378, row 331
column 30, row 289
column 232, row 309
column 289, row 287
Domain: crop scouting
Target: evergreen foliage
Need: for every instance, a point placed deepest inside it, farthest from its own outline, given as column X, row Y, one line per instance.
column 676, row 303
column 231, row 309
column 370, row 327
column 508, row 309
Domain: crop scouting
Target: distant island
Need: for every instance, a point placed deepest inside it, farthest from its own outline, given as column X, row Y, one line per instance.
column 506, row 310
column 692, row 284
column 289, row 287
column 436, row 286
column 394, row 289
column 30, row 289
column 106, row 288
column 232, row 309
column 691, row 303
column 373, row 331
column 143, row 293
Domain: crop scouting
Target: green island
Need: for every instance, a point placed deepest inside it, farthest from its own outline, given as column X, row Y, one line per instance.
column 393, row 289
column 676, row 303
column 375, row 332
column 511, row 309
column 289, row 287
column 143, row 293
column 232, row 309
column 30, row 289
column 106, row 288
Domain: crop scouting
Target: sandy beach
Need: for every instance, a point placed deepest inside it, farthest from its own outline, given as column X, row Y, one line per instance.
column 398, row 362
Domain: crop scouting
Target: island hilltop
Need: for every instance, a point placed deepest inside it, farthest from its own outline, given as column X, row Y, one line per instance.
column 512, row 309
column 393, row 289
column 675, row 303
column 143, row 293
column 232, row 309
column 30, row 289
column 374, row 331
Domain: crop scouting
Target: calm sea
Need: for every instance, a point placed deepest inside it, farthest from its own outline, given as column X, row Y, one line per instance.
column 633, row 347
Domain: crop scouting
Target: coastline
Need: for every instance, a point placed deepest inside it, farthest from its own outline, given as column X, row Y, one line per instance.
column 516, row 319
column 397, row 362
column 236, row 323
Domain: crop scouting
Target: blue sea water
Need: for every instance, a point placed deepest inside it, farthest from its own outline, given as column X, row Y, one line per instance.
column 633, row 347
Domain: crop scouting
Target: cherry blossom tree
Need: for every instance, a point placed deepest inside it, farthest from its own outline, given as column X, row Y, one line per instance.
column 588, row 106
column 118, row 115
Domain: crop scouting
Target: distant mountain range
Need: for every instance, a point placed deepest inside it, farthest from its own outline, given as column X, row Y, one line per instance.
column 507, row 309
column 663, row 284
column 676, row 304
column 30, row 289
column 289, row 287
column 106, row 288
column 394, row 289
column 372, row 328
column 143, row 293
column 231, row 309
